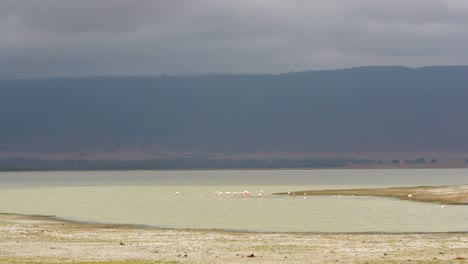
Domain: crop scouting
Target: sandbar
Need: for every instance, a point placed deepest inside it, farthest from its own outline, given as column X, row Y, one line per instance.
column 450, row 195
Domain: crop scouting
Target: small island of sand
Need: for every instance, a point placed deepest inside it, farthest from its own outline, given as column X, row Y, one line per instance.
column 453, row 195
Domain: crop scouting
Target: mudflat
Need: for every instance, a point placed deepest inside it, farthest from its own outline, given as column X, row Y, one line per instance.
column 40, row 239
column 454, row 195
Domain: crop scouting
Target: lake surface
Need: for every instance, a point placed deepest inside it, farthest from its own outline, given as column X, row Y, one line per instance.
column 147, row 198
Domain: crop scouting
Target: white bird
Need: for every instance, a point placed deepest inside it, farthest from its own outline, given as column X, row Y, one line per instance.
column 176, row 194
column 443, row 206
column 410, row 195
column 227, row 193
column 289, row 193
column 376, row 210
column 305, row 197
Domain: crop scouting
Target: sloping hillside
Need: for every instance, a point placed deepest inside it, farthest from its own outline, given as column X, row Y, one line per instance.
column 360, row 109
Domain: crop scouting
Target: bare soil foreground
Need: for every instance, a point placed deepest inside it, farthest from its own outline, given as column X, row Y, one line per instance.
column 37, row 239
column 435, row 194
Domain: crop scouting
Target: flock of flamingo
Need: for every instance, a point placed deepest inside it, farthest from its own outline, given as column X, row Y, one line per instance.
column 261, row 193
column 239, row 194
column 234, row 194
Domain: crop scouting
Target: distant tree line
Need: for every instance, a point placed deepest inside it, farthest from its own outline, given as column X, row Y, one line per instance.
column 23, row 164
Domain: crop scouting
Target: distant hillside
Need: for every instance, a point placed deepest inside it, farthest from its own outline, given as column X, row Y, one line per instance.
column 360, row 109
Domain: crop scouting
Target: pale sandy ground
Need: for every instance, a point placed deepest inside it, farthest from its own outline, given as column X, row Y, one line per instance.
column 31, row 239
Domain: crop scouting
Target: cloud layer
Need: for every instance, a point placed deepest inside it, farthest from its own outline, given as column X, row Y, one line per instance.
column 144, row 37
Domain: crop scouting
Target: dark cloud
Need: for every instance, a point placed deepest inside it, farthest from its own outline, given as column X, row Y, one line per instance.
column 151, row 37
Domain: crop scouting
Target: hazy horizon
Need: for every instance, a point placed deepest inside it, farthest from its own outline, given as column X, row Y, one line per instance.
column 230, row 74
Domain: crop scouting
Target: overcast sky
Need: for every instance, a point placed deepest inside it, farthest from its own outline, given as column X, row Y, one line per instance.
column 47, row 38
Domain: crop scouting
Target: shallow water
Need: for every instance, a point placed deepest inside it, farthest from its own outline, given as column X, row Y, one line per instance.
column 147, row 198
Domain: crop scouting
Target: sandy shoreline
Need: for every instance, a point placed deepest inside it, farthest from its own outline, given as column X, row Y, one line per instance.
column 38, row 239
